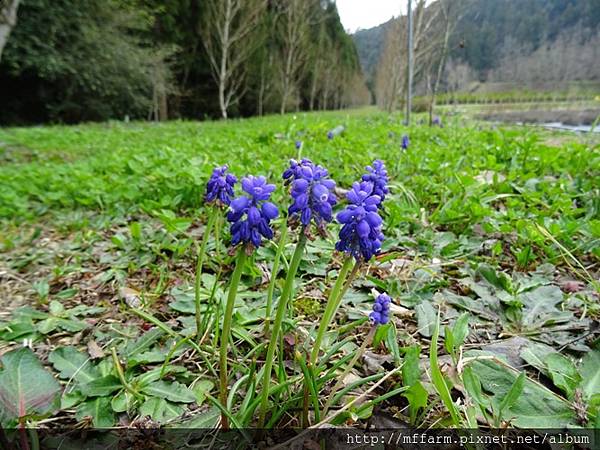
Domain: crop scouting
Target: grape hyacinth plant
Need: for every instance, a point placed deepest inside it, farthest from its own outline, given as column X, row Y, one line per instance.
column 219, row 191
column 250, row 218
column 405, row 142
column 377, row 174
column 360, row 239
column 381, row 310
column 312, row 195
column 379, row 316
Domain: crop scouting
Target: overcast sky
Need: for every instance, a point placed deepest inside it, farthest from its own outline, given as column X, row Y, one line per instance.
column 363, row 14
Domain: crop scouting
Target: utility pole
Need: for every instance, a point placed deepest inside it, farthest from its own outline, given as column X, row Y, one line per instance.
column 410, row 63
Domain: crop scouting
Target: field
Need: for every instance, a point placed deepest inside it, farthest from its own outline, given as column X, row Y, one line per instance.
column 491, row 256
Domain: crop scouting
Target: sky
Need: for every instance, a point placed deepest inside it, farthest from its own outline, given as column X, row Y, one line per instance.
column 357, row 14
column 363, row 14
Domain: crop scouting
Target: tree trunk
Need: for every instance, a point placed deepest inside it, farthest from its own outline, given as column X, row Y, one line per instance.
column 441, row 64
column 8, row 19
column 224, row 57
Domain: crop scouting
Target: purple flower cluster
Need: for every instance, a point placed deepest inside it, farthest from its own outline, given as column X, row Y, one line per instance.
column 361, row 234
column 311, row 191
column 219, row 188
column 381, row 310
column 405, row 142
column 251, row 214
column 377, row 175
column 298, row 145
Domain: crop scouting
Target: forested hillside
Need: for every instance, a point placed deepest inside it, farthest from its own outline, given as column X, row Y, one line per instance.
column 489, row 31
column 81, row 60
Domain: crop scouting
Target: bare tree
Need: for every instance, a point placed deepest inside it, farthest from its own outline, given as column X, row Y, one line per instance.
column 227, row 36
column 450, row 11
column 294, row 30
column 8, row 20
column 390, row 81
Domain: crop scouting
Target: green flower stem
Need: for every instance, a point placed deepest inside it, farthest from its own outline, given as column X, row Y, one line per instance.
column 366, row 342
column 227, row 319
column 281, row 308
column 274, row 270
column 121, row 375
column 199, row 260
column 333, row 302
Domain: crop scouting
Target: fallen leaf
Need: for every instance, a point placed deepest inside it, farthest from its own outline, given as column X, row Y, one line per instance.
column 94, row 350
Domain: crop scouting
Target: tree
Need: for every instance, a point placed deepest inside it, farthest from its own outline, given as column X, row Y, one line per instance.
column 295, row 17
column 449, row 17
column 90, row 65
column 8, row 20
column 226, row 34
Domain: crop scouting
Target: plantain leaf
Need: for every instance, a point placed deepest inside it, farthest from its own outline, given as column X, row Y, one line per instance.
column 26, row 388
column 71, row 363
column 176, row 392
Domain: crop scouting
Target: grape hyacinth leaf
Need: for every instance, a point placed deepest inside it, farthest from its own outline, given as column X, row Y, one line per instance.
column 26, row 388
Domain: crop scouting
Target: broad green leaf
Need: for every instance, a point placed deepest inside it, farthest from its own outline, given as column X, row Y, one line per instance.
column 25, row 387
column 563, row 372
column 101, row 387
column 17, row 331
column 71, row 363
column 411, row 371
column 208, row 419
column 160, row 410
column 122, row 402
column 417, row 399
column 590, row 374
column 201, row 388
column 99, row 410
column 535, row 354
column 426, row 318
column 536, row 407
column 539, row 307
column 70, row 399
column 56, row 308
column 176, row 392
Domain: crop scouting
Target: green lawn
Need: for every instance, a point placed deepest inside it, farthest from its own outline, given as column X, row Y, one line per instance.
column 497, row 227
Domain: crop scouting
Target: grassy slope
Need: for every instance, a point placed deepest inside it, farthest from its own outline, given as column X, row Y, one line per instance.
column 463, row 194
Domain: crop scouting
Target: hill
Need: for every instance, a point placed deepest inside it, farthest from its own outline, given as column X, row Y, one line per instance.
column 489, row 27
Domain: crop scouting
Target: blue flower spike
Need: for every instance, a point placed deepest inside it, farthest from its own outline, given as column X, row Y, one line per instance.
column 381, row 310
column 312, row 193
column 298, row 145
column 405, row 142
column 251, row 213
column 361, row 234
column 219, row 189
column 377, row 174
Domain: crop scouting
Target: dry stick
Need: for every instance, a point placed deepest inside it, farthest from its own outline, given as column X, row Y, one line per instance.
column 339, row 411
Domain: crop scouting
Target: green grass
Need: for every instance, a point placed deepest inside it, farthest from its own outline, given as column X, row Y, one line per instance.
column 479, row 220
